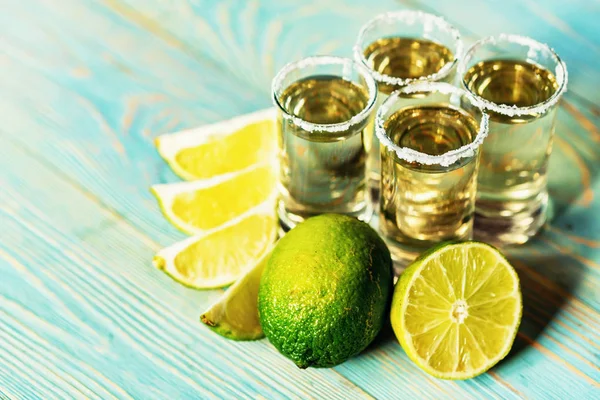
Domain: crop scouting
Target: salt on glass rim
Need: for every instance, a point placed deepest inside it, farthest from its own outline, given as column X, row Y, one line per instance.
column 560, row 73
column 409, row 16
column 411, row 155
column 348, row 64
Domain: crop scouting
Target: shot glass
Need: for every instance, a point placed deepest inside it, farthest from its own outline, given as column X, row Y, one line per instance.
column 324, row 106
column 518, row 81
column 430, row 135
column 401, row 48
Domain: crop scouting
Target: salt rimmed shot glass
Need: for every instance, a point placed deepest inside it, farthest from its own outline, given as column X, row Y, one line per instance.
column 324, row 105
column 518, row 81
column 401, row 48
column 430, row 135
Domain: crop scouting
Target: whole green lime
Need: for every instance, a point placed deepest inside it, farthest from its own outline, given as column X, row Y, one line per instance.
column 324, row 294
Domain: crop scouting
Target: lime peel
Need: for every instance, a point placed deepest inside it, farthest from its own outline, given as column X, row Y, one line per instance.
column 324, row 294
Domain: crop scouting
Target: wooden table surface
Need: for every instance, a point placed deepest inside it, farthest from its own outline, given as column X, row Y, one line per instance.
column 87, row 85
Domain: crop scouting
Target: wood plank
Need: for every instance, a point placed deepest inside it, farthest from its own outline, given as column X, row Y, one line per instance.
column 117, row 242
column 140, row 342
column 139, row 159
column 230, row 31
column 133, row 149
column 82, row 302
column 134, row 319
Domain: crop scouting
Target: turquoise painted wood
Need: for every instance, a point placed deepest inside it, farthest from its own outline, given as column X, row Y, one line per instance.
column 87, row 85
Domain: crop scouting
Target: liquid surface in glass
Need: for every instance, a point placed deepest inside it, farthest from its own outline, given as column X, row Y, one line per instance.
column 406, row 58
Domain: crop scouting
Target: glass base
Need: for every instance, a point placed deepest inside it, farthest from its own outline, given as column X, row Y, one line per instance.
column 288, row 220
column 402, row 256
column 374, row 190
column 491, row 226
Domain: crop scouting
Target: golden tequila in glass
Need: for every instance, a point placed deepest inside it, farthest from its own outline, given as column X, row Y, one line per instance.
column 518, row 81
column 400, row 48
column 325, row 104
column 406, row 58
column 430, row 134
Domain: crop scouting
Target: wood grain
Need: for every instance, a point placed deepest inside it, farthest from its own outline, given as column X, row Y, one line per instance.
column 88, row 85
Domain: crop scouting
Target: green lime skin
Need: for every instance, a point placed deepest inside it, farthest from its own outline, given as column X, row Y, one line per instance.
column 325, row 292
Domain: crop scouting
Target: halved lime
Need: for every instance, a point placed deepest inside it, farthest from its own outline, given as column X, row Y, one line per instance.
column 456, row 310
column 235, row 314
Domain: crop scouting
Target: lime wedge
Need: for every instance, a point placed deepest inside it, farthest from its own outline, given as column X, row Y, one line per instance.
column 229, row 206
column 198, row 206
column 217, row 257
column 456, row 310
column 226, row 146
column 235, row 314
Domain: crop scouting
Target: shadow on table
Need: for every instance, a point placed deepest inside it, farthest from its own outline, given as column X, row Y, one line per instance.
column 548, row 277
column 385, row 337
